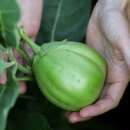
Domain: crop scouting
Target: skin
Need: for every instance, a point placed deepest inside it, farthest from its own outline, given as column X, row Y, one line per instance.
column 108, row 33
column 31, row 23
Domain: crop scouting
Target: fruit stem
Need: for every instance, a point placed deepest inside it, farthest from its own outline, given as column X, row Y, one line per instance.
column 24, row 55
column 29, row 41
column 25, row 78
column 19, row 66
column 23, row 69
column 7, row 65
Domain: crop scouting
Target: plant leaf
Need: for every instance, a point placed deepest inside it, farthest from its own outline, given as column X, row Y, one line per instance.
column 29, row 111
column 64, row 19
column 8, row 95
column 9, row 16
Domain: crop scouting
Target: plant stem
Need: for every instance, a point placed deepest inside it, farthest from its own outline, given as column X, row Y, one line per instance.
column 29, row 41
column 14, row 72
column 56, row 20
column 23, row 69
column 19, row 66
column 7, row 65
column 25, row 78
column 24, row 55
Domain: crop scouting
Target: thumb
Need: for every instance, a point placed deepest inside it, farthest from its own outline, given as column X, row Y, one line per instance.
column 115, row 26
column 30, row 20
column 3, row 77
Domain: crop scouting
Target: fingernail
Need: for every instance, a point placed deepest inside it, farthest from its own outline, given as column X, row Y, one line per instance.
column 72, row 119
column 83, row 114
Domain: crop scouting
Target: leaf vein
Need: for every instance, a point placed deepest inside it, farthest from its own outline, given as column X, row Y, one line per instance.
column 56, row 20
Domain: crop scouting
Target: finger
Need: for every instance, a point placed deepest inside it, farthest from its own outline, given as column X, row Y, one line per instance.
column 75, row 117
column 23, row 87
column 3, row 78
column 29, row 19
column 98, row 108
column 126, row 54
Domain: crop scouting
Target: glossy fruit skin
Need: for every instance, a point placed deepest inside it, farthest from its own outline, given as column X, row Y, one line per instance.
column 70, row 74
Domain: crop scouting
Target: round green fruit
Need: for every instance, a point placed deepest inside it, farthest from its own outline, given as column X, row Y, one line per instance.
column 70, row 74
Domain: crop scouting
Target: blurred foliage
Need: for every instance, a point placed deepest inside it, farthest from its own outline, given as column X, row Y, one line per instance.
column 8, row 95
column 9, row 16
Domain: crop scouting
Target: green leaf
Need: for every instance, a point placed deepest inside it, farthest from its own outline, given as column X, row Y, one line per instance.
column 28, row 113
column 8, row 95
column 64, row 19
column 9, row 16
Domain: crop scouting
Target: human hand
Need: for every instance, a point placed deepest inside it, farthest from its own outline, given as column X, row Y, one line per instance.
column 31, row 11
column 108, row 33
